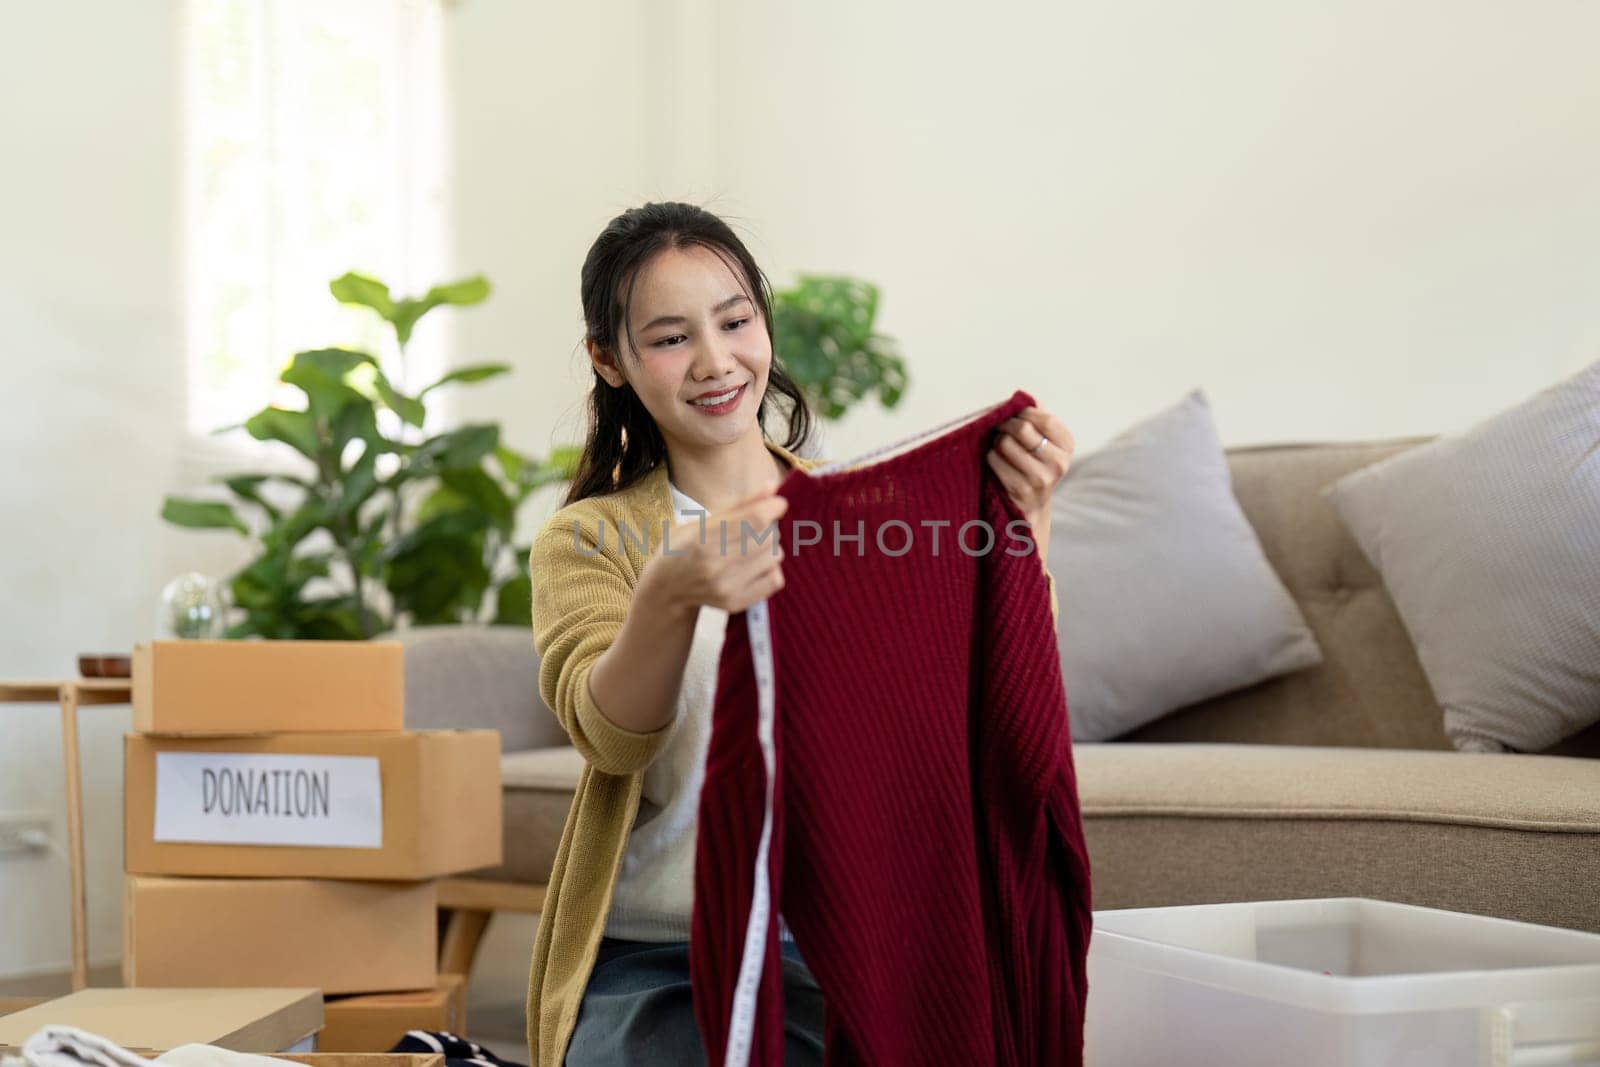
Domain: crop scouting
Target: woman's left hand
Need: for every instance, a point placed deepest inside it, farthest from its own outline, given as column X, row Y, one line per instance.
column 1030, row 471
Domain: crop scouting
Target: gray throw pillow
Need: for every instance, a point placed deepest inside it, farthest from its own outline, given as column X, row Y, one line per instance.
column 1166, row 595
column 1489, row 543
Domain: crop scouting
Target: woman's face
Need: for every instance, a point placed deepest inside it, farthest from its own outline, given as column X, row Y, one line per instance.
column 697, row 337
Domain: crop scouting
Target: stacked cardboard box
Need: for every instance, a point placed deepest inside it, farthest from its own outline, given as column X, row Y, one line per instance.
column 282, row 828
column 151, row 1021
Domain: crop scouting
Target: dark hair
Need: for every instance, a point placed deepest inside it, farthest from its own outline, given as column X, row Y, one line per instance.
column 623, row 442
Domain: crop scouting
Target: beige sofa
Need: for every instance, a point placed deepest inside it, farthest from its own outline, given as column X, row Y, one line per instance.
column 1333, row 781
column 1337, row 780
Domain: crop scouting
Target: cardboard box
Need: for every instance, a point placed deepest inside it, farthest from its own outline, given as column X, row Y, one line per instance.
column 398, row 806
column 341, row 937
column 11, row 1004
column 150, row 1021
column 376, row 1021
column 364, row 1059
column 249, row 687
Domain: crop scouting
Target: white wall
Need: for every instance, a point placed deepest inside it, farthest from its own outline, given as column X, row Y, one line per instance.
column 1344, row 220
column 551, row 117
column 1350, row 220
column 91, row 360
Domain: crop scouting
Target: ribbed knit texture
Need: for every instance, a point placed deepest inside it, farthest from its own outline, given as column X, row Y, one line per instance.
column 927, row 846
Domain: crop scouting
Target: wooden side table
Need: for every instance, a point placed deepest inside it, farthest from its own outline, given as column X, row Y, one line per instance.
column 72, row 694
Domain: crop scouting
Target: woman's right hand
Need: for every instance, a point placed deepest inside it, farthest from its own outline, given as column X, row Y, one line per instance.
column 700, row 571
column 636, row 681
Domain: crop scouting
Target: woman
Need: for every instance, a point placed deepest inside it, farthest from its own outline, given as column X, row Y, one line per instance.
column 630, row 608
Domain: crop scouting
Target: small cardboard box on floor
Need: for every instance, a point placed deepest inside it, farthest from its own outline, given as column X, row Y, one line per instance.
column 376, row 1021
column 156, row 1020
column 340, row 937
column 395, row 806
column 242, row 687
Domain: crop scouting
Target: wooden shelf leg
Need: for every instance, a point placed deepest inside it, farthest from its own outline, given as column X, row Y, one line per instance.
column 80, row 906
column 463, row 933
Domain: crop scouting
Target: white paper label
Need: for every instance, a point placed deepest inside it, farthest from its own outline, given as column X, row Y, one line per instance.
column 239, row 798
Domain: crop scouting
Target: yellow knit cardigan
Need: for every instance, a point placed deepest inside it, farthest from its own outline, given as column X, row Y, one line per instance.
column 580, row 599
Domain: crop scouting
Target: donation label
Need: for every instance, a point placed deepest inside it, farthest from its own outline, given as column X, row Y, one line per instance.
column 239, row 798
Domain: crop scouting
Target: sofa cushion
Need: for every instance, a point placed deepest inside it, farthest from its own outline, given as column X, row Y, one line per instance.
column 536, row 794
column 477, row 677
column 1514, row 836
column 1166, row 596
column 1369, row 689
column 1489, row 542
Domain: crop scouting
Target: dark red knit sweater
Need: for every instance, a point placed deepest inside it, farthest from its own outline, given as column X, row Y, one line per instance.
column 927, row 847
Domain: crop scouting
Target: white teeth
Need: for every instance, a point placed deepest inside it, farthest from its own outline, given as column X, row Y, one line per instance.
column 720, row 398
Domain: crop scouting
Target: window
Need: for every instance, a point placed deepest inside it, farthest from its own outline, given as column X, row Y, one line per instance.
column 313, row 139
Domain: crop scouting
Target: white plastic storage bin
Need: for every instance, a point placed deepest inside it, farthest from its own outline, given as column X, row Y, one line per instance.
column 1337, row 983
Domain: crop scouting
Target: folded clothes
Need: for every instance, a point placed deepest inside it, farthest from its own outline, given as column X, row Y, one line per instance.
column 457, row 1051
column 69, row 1046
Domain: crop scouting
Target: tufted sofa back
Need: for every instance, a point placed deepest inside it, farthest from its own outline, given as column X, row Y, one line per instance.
column 1370, row 690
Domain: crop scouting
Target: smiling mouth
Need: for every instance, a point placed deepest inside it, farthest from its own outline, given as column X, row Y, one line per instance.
column 719, row 400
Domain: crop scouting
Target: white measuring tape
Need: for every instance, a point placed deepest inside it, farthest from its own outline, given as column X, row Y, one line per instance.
column 742, row 1022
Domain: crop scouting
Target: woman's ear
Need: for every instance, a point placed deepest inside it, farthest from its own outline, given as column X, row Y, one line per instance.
column 605, row 365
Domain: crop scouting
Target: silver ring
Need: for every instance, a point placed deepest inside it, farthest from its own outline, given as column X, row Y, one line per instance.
column 1042, row 442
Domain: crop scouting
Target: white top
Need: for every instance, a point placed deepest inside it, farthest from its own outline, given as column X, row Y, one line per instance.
column 654, row 894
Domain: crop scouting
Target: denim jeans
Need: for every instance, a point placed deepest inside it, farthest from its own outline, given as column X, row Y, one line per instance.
column 637, row 1009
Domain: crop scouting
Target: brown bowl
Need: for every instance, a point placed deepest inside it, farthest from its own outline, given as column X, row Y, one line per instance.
column 105, row 665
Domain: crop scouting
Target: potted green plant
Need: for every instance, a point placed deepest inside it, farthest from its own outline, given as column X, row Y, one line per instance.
column 400, row 524
column 824, row 330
